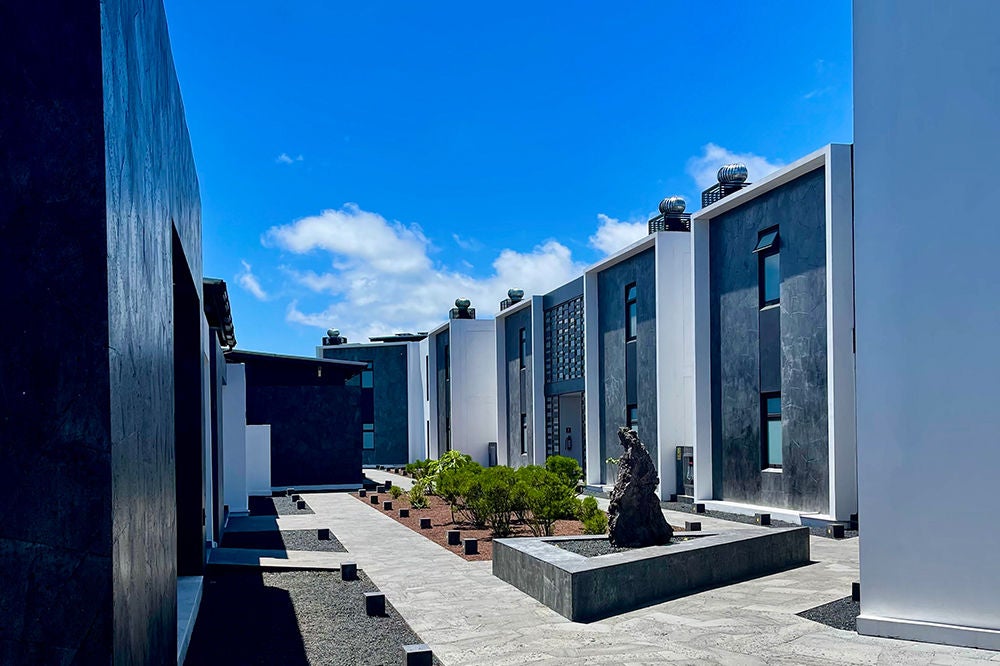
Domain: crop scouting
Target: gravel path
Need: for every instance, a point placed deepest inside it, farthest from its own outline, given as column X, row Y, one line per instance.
column 839, row 614
column 282, row 540
column 688, row 507
column 293, row 618
column 276, row 506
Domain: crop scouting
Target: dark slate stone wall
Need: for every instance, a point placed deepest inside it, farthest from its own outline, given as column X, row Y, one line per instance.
column 518, row 387
column 443, row 389
column 611, row 352
column 96, row 166
column 798, row 208
column 55, row 421
column 315, row 430
column 389, row 374
column 151, row 186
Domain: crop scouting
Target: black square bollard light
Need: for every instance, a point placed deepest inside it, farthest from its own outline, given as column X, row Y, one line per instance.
column 362, row 493
column 374, row 603
column 699, row 507
column 348, row 571
column 296, row 498
column 289, row 492
column 835, row 531
column 387, row 487
column 387, row 505
column 856, row 591
column 374, row 499
column 425, row 523
column 692, row 525
column 672, row 497
column 417, row 655
column 471, row 546
column 404, row 513
column 762, row 518
column 323, row 534
column 300, row 505
column 454, row 538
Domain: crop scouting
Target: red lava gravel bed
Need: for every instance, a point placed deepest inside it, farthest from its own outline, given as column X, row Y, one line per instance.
column 440, row 514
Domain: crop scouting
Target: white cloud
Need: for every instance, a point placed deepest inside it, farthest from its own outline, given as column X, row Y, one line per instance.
column 612, row 234
column 703, row 168
column 468, row 244
column 249, row 281
column 285, row 158
column 358, row 236
column 384, row 281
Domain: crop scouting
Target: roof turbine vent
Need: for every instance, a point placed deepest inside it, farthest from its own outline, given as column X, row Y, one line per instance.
column 674, row 204
column 462, row 309
column 333, row 337
column 672, row 216
column 733, row 174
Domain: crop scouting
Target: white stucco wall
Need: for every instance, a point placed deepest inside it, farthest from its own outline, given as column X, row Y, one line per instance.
column 234, row 437
column 258, row 460
column 927, row 236
column 207, row 348
column 416, row 426
column 473, row 386
column 674, row 354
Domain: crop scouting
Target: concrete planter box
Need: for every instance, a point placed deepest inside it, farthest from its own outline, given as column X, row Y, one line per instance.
column 590, row 588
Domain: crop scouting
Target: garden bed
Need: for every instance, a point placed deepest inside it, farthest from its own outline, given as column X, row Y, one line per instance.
column 441, row 522
column 282, row 540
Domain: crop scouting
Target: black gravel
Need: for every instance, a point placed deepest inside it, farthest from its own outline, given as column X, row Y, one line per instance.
column 597, row 547
column 293, row 618
column 276, row 506
column 282, row 540
column 688, row 507
column 839, row 614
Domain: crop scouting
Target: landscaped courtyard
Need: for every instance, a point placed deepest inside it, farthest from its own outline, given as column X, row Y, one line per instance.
column 468, row 616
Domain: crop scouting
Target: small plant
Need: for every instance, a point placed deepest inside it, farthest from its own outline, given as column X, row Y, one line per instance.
column 587, row 508
column 418, row 500
column 396, row 492
column 567, row 469
column 613, row 463
column 543, row 498
column 596, row 524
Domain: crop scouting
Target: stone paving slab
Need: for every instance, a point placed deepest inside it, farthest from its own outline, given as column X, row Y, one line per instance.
column 468, row 616
column 281, row 559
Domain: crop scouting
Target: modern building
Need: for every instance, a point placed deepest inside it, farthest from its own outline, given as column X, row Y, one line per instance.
column 927, row 99
column 637, row 350
column 540, row 373
column 461, row 386
column 393, row 427
column 774, row 413
column 105, row 340
column 312, row 409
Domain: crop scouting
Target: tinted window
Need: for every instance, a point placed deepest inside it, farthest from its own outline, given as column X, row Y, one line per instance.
column 771, row 291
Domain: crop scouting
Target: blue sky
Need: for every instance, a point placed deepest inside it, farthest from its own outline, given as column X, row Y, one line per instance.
column 364, row 164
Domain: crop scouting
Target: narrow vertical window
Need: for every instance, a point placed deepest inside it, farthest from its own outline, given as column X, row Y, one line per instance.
column 771, row 430
column 368, row 377
column 368, row 436
column 524, row 434
column 768, row 267
column 632, row 418
column 447, row 433
column 631, row 312
column 522, row 349
column 447, row 364
column 427, row 375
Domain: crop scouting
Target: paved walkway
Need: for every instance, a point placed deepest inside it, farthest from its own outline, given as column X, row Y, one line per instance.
column 468, row 616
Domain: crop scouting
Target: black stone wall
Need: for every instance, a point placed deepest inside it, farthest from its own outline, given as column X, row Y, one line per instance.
column 518, row 394
column 443, row 389
column 95, row 171
column 615, row 391
column 315, row 427
column 391, row 407
column 798, row 209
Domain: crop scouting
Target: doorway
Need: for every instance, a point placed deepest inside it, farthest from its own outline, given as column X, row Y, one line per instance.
column 571, row 442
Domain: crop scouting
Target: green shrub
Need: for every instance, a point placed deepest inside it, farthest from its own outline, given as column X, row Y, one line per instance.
column 453, row 485
column 395, row 491
column 596, row 523
column 567, row 469
column 587, row 508
column 418, row 500
column 493, row 499
column 544, row 498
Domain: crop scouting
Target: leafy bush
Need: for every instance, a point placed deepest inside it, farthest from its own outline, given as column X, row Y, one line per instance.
column 596, row 524
column 543, row 498
column 418, row 500
column 453, row 485
column 396, row 492
column 587, row 508
column 491, row 499
column 567, row 469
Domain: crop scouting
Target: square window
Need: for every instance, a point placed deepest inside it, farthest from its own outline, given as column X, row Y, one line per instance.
column 767, row 240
